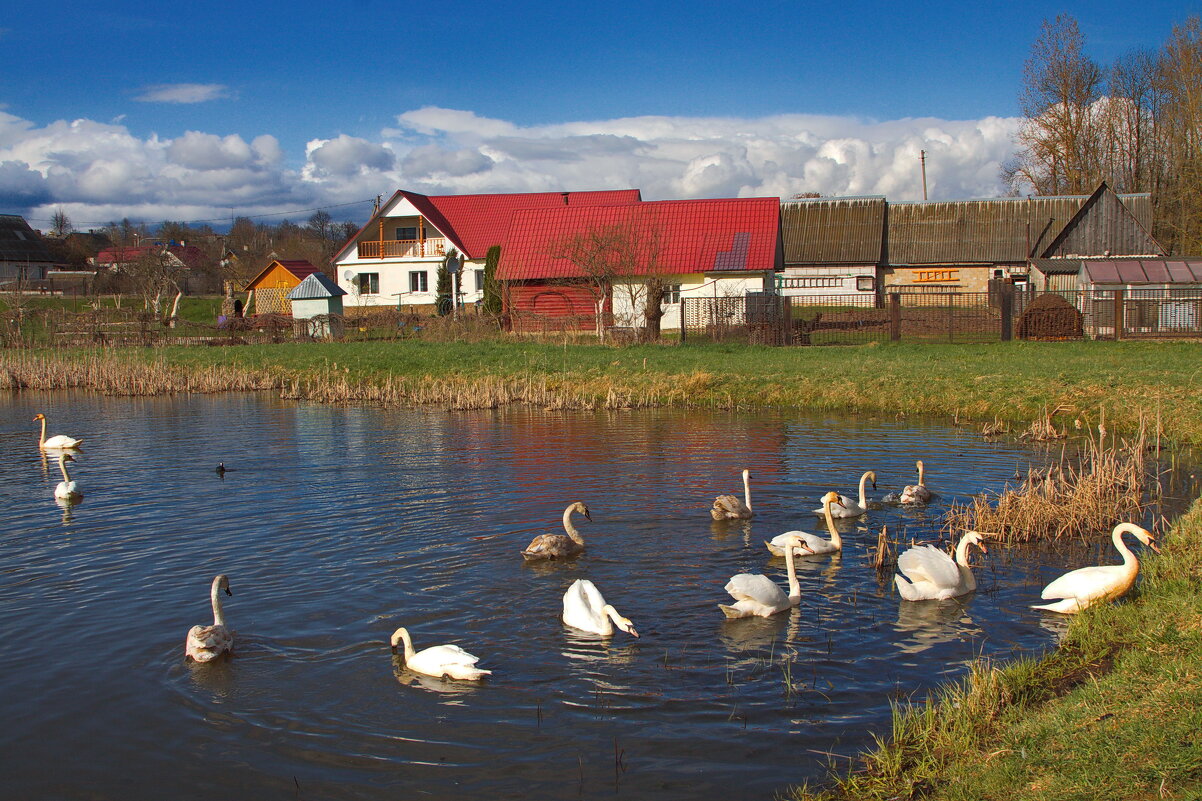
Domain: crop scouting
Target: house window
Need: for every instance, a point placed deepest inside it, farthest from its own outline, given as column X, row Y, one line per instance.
column 407, row 233
column 369, row 283
column 672, row 293
column 479, row 280
column 419, row 281
column 865, row 283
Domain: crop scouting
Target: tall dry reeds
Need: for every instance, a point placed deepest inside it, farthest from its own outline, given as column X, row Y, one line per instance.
column 1076, row 497
column 108, row 373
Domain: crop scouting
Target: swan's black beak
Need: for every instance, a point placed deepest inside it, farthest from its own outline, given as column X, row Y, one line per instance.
column 229, row 592
column 394, row 648
column 874, row 483
column 587, row 516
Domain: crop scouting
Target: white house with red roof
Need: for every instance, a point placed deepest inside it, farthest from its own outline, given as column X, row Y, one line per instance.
column 698, row 248
column 394, row 259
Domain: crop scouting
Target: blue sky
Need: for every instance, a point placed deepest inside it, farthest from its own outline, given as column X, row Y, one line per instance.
column 191, row 111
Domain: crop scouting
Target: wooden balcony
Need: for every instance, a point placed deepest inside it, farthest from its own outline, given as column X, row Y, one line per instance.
column 402, row 248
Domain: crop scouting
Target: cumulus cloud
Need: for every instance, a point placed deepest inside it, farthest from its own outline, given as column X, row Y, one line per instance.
column 182, row 93
column 85, row 164
column 348, row 155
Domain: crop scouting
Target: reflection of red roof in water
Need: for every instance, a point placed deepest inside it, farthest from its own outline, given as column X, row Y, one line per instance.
column 678, row 236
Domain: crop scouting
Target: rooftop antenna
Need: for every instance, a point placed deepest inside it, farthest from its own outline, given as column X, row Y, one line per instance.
column 922, row 157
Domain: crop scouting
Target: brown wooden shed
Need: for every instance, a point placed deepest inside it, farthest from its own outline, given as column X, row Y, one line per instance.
column 269, row 289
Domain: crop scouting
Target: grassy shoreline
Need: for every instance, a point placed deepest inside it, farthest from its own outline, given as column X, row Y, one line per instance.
column 1113, row 712
column 1011, row 384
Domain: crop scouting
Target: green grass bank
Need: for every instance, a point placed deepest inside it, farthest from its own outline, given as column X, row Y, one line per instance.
column 1014, row 383
column 1114, row 713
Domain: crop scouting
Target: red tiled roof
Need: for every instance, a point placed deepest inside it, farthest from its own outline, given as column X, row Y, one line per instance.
column 190, row 255
column 694, row 236
column 474, row 223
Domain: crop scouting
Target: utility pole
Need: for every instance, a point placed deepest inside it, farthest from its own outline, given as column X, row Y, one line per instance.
column 922, row 158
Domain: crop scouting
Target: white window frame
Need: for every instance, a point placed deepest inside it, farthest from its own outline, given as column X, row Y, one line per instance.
column 373, row 283
column 419, row 282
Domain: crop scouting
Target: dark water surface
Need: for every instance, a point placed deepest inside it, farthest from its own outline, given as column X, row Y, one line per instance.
column 338, row 525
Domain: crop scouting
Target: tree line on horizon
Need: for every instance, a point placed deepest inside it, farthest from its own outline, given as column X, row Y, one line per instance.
column 1136, row 123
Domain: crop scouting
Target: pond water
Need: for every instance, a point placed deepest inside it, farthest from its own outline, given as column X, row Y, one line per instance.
column 337, row 525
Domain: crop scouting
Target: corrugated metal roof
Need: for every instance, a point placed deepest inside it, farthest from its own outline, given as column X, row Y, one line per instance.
column 315, row 287
column 672, row 236
column 20, row 243
column 1057, row 266
column 1102, row 226
column 987, row 231
column 833, row 230
column 1143, row 271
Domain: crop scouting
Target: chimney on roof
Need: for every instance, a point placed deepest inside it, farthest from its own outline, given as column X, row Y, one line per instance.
column 565, row 197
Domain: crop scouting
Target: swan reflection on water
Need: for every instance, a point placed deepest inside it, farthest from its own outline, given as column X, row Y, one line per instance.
column 722, row 530
column 67, row 504
column 584, row 646
column 931, row 623
column 758, row 634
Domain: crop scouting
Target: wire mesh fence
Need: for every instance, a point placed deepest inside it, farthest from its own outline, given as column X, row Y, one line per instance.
column 1002, row 313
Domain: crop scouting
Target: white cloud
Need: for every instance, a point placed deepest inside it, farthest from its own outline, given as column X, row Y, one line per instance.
column 183, row 93
column 85, row 164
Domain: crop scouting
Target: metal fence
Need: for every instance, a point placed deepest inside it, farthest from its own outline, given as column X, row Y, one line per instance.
column 1000, row 314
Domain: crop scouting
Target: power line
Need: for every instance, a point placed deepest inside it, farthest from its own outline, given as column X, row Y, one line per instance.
column 231, row 217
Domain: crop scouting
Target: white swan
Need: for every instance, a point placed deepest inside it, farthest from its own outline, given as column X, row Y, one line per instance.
column 728, row 507
column 560, row 546
column 1087, row 586
column 67, row 490
column 848, row 507
column 916, row 493
column 757, row 595
column 58, row 442
column 812, row 543
column 206, row 643
column 439, row 661
column 584, row 608
column 932, row 574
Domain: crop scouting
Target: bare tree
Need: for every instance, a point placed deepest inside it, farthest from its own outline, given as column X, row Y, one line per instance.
column 1059, row 137
column 1179, row 124
column 60, row 223
column 601, row 254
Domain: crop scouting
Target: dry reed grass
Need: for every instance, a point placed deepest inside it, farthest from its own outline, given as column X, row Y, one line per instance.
column 111, row 374
column 1103, row 484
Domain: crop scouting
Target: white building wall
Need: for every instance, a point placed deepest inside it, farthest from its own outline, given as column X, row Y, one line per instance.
column 628, row 304
column 828, row 280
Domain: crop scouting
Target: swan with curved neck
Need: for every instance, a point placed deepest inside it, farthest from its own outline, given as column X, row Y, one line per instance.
column 759, row 596
column 58, row 442
column 933, row 575
column 1082, row 588
column 584, row 608
column 849, row 507
column 812, row 543
column 439, row 661
column 560, row 546
column 728, row 507
column 67, row 489
column 206, row 643
column 917, row 493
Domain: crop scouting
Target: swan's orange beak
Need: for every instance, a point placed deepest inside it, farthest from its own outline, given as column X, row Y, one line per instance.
column 1152, row 545
column 39, row 417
